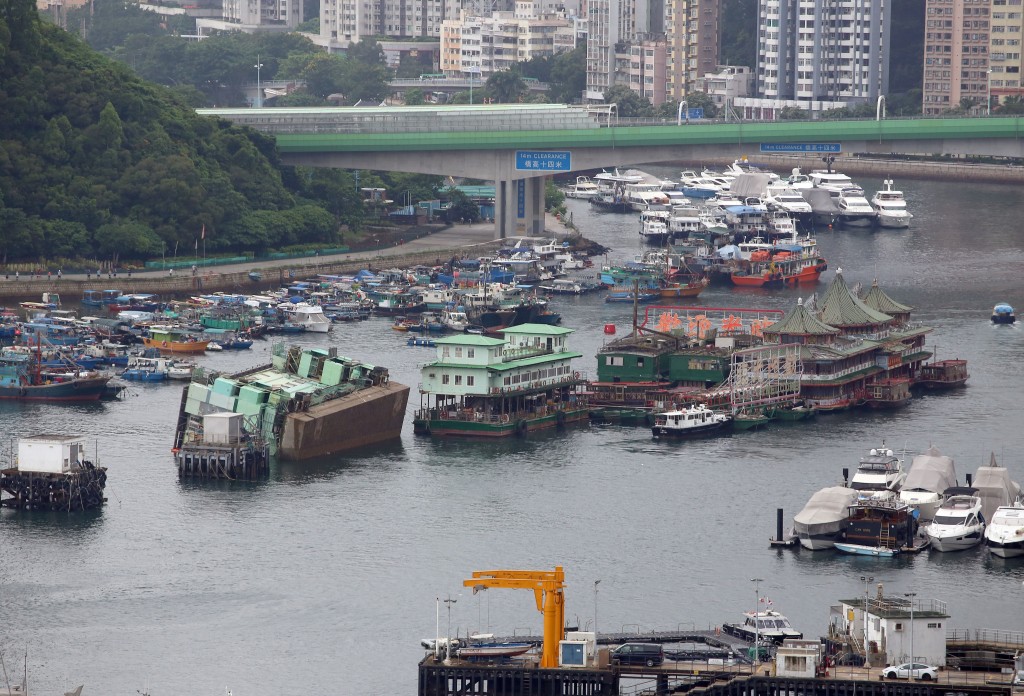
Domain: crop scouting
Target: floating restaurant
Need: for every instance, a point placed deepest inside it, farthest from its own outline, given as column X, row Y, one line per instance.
column 495, row 387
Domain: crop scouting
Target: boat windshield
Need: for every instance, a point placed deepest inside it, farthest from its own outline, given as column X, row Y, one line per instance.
column 873, row 486
column 947, row 519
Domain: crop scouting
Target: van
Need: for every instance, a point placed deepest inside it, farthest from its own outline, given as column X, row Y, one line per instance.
column 649, row 654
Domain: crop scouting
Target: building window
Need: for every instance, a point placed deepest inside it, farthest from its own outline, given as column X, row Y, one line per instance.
column 458, row 380
column 470, row 353
column 445, row 379
column 935, row 625
column 445, row 352
column 469, row 380
column 458, row 352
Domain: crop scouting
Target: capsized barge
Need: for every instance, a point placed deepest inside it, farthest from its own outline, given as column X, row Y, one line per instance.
column 308, row 402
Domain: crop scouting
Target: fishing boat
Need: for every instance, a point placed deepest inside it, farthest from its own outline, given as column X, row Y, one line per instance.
column 692, row 421
column 168, row 339
column 750, row 420
column 942, row 374
column 958, row 524
column 22, row 378
column 1003, row 313
column 880, row 527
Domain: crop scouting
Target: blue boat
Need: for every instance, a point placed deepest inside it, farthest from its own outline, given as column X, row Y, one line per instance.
column 1002, row 313
column 100, row 298
column 423, row 342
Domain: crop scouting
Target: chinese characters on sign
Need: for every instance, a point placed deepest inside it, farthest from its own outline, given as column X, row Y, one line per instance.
column 540, row 161
column 801, row 147
column 698, row 322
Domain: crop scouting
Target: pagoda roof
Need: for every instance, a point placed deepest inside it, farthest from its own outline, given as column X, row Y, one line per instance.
column 840, row 307
column 877, row 299
column 799, row 321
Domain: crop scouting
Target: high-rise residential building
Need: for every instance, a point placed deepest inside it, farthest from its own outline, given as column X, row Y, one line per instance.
column 957, row 39
column 820, row 54
column 692, row 37
column 252, row 16
column 1005, row 52
column 485, row 45
column 643, row 68
column 613, row 26
column 350, row 21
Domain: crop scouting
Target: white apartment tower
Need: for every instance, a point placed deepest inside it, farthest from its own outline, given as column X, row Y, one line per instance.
column 823, row 50
column 612, row 26
column 351, row 21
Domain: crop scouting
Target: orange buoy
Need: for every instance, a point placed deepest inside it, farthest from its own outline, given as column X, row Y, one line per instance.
column 609, row 328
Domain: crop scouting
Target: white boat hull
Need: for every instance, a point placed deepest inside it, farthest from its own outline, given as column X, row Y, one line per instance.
column 956, row 542
column 1012, row 550
column 861, row 550
column 893, row 222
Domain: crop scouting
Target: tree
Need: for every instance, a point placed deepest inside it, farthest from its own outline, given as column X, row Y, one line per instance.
column 568, row 75
column 628, row 103
column 506, row 86
column 554, row 199
column 414, row 97
column 792, row 113
column 462, row 208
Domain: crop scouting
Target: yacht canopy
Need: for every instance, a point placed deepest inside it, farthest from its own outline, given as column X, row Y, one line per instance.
column 930, row 471
column 826, row 507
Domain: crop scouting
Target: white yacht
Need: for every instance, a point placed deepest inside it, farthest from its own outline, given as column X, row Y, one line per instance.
column 583, row 188
column 787, row 198
column 310, row 316
column 928, row 477
column 958, row 523
column 696, row 186
column 645, row 196
column 454, row 319
column 879, row 474
column 685, row 222
column 1004, row 535
column 824, row 517
column 854, row 208
column 891, row 207
column 833, row 181
column 654, row 226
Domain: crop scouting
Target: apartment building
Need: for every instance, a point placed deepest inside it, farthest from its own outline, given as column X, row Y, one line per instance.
column 692, row 39
column 957, row 40
column 1005, row 52
column 253, row 16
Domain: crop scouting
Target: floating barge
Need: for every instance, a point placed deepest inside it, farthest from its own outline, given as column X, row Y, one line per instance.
column 306, row 403
column 52, row 474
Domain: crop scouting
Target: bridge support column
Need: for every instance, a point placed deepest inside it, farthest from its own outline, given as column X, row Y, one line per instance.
column 535, row 206
column 500, row 187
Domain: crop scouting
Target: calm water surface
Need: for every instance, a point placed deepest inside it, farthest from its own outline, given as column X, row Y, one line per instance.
column 324, row 578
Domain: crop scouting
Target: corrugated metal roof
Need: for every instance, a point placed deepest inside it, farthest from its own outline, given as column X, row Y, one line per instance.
column 840, row 307
column 469, row 340
column 539, row 329
column 528, row 362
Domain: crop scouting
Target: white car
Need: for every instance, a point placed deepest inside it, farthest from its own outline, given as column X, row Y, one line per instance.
column 907, row 670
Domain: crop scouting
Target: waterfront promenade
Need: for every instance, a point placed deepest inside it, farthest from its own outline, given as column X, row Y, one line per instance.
column 473, row 240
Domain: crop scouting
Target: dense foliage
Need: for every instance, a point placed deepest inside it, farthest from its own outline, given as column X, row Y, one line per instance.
column 96, row 163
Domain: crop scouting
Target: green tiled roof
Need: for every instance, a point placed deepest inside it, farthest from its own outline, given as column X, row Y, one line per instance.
column 878, row 300
column 537, row 360
column 798, row 321
column 840, row 307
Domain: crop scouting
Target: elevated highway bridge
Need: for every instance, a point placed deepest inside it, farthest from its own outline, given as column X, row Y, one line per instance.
column 518, row 145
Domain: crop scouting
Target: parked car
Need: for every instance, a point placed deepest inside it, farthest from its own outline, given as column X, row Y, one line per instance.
column 917, row 670
column 649, row 654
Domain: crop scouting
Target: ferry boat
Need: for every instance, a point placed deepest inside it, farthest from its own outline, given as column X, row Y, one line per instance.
column 308, row 402
column 692, row 421
column 481, row 386
column 1003, row 313
column 958, row 524
column 880, row 527
column 942, row 374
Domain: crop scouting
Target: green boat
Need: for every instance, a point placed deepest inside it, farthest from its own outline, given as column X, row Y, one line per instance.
column 750, row 420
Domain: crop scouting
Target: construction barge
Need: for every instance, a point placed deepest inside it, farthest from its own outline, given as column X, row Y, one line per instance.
column 51, row 473
column 308, row 402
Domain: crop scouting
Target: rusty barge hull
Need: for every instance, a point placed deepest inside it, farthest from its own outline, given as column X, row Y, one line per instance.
column 366, row 417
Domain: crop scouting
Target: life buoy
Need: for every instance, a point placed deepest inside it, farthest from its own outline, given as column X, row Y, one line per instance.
column 504, row 418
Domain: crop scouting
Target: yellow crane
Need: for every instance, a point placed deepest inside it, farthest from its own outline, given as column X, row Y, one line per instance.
column 548, row 588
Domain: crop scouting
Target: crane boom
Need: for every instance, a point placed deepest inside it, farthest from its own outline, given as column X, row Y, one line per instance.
column 549, row 592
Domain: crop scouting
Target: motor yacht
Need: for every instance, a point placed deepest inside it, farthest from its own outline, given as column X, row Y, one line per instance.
column 824, row 516
column 311, row 317
column 879, row 474
column 891, row 207
column 930, row 474
column 583, row 188
column 654, row 226
column 958, row 523
column 854, row 208
column 1004, row 535
column 788, row 199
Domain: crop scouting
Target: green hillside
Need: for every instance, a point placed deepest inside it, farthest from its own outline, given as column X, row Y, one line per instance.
column 96, row 163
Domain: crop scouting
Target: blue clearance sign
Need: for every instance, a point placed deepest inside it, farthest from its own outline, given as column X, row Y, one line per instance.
column 801, row 147
column 521, row 198
column 541, row 161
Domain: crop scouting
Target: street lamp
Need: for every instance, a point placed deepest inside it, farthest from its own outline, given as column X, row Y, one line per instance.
column 988, row 94
column 757, row 624
column 596, row 583
column 259, row 88
column 911, row 595
column 448, row 635
column 867, row 580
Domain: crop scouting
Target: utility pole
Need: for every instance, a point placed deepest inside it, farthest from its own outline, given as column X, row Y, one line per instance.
column 757, row 624
column 911, row 595
column 448, row 636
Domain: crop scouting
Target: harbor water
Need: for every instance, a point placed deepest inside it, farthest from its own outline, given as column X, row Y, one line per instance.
column 324, row 578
